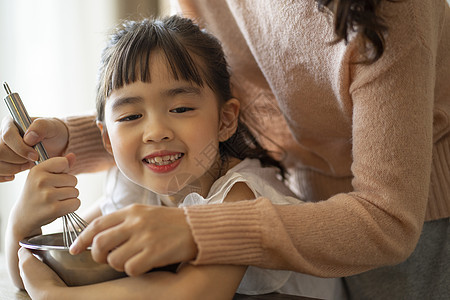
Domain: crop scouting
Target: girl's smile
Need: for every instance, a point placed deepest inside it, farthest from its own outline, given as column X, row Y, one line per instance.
column 163, row 162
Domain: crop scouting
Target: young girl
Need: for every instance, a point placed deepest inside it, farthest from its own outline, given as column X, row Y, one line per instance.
column 166, row 114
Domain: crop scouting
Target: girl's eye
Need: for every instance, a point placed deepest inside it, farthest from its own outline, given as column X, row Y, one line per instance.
column 130, row 118
column 180, row 110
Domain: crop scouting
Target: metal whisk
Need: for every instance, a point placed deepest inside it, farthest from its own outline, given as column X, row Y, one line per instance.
column 73, row 224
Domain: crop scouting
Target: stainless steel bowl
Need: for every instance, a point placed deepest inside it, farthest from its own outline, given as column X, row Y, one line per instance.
column 75, row 270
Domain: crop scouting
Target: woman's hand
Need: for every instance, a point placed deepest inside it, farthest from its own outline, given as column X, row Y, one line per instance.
column 139, row 238
column 17, row 153
column 49, row 193
column 39, row 280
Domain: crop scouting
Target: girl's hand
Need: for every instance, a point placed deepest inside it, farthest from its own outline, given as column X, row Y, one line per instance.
column 39, row 280
column 17, row 153
column 139, row 238
column 49, row 193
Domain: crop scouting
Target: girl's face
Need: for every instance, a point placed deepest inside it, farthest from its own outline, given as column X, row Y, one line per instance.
column 164, row 135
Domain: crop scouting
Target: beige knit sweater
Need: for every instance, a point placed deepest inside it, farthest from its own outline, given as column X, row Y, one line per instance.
column 365, row 138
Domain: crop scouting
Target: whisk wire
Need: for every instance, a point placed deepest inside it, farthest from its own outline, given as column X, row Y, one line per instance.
column 73, row 225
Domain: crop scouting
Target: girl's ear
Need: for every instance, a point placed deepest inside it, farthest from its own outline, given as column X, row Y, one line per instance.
column 229, row 116
column 105, row 137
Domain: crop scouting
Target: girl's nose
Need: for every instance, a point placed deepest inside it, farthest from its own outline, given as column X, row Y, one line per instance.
column 157, row 131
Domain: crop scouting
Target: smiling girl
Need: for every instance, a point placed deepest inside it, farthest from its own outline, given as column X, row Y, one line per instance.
column 167, row 116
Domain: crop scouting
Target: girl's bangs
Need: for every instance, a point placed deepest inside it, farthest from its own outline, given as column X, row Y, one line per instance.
column 131, row 60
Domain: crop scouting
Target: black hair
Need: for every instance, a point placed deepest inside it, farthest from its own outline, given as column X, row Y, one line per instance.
column 360, row 16
column 126, row 60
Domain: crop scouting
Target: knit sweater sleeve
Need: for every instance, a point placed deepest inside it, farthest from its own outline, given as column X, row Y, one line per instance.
column 376, row 224
column 86, row 143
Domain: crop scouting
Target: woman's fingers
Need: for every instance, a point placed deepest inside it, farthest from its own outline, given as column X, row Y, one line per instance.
column 52, row 132
column 16, row 152
column 15, row 155
column 86, row 238
column 139, row 238
column 12, row 142
column 8, row 155
column 10, row 169
column 107, row 242
column 138, row 264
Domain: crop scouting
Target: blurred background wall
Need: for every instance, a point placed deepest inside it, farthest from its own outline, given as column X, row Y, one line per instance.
column 49, row 54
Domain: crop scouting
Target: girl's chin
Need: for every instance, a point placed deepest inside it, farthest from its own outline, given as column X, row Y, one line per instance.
column 176, row 185
column 160, row 190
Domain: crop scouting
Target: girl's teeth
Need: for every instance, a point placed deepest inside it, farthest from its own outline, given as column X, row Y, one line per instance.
column 163, row 160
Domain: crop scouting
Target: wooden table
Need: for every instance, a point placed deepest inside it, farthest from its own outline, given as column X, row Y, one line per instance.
column 9, row 292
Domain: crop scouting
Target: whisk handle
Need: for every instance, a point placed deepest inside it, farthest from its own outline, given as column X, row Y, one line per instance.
column 22, row 119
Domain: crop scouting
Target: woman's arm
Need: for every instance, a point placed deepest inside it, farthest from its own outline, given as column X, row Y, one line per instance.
column 377, row 224
column 378, row 221
column 130, row 239
column 86, row 143
column 190, row 282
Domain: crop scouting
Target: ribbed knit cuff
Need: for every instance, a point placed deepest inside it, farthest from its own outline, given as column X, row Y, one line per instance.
column 86, row 143
column 227, row 233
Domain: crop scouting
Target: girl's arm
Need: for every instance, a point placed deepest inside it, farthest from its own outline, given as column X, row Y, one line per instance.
column 49, row 193
column 12, row 246
column 130, row 239
column 191, row 282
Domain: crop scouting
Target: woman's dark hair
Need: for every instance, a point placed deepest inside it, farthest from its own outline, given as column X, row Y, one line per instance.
column 126, row 60
column 359, row 16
